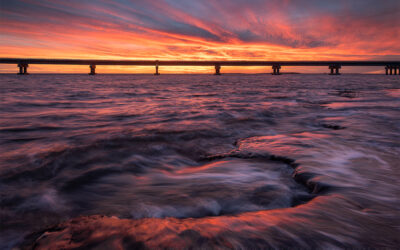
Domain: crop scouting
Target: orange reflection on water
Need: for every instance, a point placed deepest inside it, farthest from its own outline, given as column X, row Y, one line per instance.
column 311, row 136
column 393, row 93
column 339, row 105
column 202, row 168
column 222, row 231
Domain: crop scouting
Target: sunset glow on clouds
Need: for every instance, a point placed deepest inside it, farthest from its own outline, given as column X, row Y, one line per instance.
column 195, row 30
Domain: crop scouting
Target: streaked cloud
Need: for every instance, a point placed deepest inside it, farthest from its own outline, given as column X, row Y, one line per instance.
column 207, row 29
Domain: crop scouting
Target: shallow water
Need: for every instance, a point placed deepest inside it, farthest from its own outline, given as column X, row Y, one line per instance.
column 231, row 161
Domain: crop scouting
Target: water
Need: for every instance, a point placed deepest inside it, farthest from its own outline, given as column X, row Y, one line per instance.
column 180, row 161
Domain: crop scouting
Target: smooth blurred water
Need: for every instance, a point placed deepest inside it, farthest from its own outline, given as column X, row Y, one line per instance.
column 241, row 161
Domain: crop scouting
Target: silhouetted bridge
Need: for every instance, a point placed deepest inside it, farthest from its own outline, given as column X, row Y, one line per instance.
column 391, row 67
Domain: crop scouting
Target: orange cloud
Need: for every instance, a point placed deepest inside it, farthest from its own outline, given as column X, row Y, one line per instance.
column 211, row 30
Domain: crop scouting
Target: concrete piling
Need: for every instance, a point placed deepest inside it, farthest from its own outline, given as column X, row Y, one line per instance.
column 23, row 69
column 335, row 69
column 157, row 73
column 276, row 69
column 217, row 69
column 92, row 69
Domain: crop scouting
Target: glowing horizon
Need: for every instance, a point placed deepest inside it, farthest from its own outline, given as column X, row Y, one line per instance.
column 207, row 30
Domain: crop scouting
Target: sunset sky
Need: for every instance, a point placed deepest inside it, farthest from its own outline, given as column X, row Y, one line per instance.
column 195, row 30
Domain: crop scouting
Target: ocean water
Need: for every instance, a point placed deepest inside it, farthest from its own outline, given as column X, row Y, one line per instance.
column 199, row 161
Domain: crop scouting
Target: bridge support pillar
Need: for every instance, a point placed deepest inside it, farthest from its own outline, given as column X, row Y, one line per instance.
column 390, row 70
column 276, row 69
column 157, row 73
column 92, row 69
column 335, row 69
column 23, row 69
column 395, row 70
column 387, row 70
column 217, row 69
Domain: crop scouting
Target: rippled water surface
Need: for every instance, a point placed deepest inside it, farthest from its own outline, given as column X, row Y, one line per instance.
column 181, row 161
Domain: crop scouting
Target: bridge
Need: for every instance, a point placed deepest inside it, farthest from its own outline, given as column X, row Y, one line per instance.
column 391, row 67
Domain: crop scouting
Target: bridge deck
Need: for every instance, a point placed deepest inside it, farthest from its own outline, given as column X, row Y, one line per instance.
column 391, row 67
column 193, row 63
